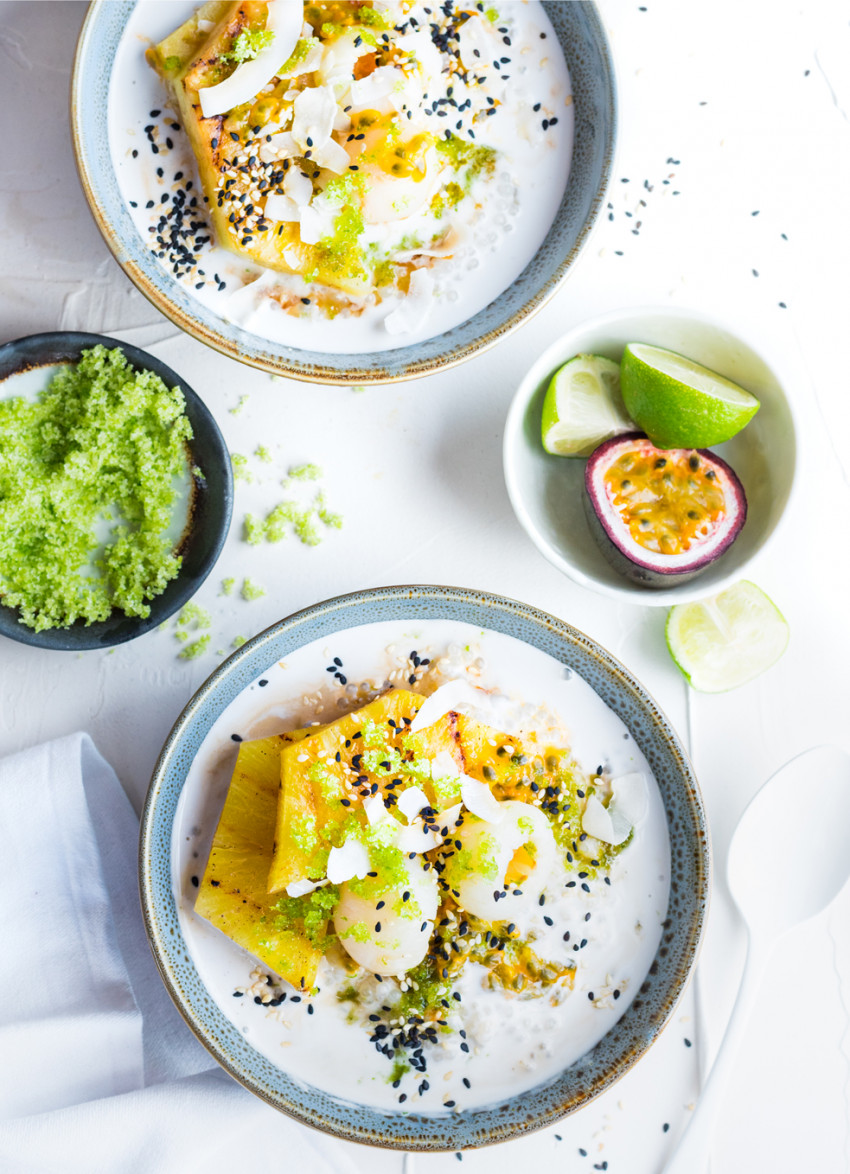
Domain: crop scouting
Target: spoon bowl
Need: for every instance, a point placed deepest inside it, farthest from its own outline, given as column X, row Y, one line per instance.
column 807, row 802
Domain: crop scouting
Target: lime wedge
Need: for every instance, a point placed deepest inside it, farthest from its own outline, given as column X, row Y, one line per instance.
column 724, row 641
column 583, row 407
column 678, row 403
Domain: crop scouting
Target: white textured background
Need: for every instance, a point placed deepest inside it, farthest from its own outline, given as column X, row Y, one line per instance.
column 744, row 108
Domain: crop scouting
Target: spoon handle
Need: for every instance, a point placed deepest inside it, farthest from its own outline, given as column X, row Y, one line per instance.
column 692, row 1153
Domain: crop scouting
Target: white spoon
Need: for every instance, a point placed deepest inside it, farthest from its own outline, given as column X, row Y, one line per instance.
column 811, row 793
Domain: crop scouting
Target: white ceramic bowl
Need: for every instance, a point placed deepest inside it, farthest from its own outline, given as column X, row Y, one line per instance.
column 546, row 491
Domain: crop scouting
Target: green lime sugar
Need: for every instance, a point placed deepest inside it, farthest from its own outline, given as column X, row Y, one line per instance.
column 92, row 472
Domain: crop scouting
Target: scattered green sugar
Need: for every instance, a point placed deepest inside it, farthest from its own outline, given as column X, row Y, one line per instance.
column 102, row 445
column 313, row 910
column 193, row 613
column 196, row 649
column 241, row 472
column 238, row 641
column 307, row 472
column 227, row 586
column 251, row 590
column 465, row 156
column 263, row 454
column 248, row 45
column 492, row 15
column 303, row 46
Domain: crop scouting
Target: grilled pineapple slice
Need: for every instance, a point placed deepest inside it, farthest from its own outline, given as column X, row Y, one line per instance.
column 232, row 894
column 316, row 776
column 191, row 59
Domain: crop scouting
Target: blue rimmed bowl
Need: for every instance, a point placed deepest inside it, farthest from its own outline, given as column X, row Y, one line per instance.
column 582, row 38
column 658, row 994
column 208, row 510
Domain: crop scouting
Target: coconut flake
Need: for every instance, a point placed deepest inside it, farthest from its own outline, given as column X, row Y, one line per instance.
column 375, row 809
column 480, row 800
column 279, row 146
column 444, row 767
column 331, row 156
column 281, row 208
column 312, row 225
column 597, row 822
column 448, row 698
column 312, row 123
column 411, row 801
column 298, row 187
column 284, row 21
column 380, row 83
column 415, row 838
column 346, row 862
column 629, row 796
column 302, row 888
column 609, row 824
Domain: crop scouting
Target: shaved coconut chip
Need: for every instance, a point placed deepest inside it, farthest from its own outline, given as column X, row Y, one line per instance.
column 479, row 45
column 605, row 823
column 480, row 800
column 279, row 146
column 411, row 801
column 629, row 796
column 448, row 819
column 298, row 187
column 346, row 862
column 302, row 888
column 415, row 838
column 379, row 84
column 284, row 21
column 375, row 809
column 412, row 313
column 444, row 767
column 281, row 208
column 341, row 120
column 596, row 821
column 448, row 698
column 332, row 156
column 315, row 110
column 312, row 225
column 427, row 55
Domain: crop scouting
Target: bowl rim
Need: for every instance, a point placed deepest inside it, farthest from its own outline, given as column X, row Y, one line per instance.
column 260, row 355
column 92, row 636
column 158, row 901
column 528, row 387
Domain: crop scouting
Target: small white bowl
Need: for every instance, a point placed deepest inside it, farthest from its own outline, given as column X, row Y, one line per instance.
column 546, row 491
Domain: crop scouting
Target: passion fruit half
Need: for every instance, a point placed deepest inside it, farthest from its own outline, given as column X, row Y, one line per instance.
column 661, row 515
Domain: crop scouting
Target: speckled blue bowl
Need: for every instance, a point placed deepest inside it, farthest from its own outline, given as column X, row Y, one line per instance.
column 616, row 1052
column 582, row 38
column 210, row 511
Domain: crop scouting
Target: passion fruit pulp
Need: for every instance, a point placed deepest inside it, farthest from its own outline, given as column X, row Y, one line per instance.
column 661, row 515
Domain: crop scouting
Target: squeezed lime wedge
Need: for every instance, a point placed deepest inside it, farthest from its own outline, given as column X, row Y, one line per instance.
column 728, row 639
column 679, row 403
column 583, row 407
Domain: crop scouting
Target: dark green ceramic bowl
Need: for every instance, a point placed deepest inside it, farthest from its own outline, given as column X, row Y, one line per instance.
column 208, row 520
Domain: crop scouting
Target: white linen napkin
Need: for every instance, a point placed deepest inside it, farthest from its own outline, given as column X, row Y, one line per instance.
column 98, row 1072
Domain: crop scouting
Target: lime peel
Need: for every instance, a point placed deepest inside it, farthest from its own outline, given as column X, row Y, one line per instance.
column 679, row 403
